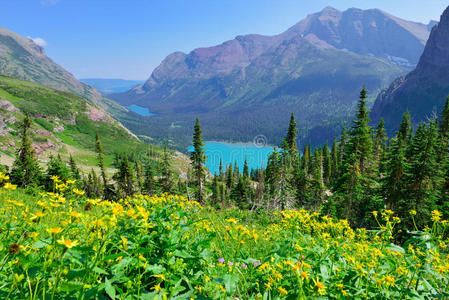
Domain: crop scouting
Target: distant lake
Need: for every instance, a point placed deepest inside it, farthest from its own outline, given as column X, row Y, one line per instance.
column 257, row 156
column 143, row 111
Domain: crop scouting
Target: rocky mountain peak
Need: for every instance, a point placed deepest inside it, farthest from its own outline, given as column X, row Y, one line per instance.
column 436, row 54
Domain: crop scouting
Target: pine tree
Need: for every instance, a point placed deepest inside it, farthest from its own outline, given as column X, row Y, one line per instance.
column 245, row 170
column 125, row 178
column 100, row 157
column 139, row 176
column 74, row 169
column 229, row 177
column 327, row 165
column 215, row 191
column 394, row 184
column 56, row 167
column 334, row 159
column 354, row 182
column 424, row 174
column 25, row 170
column 290, row 140
column 198, row 159
column 220, row 170
column 149, row 183
column 166, row 180
column 405, row 128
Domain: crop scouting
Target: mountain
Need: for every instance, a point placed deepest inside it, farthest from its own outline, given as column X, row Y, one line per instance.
column 63, row 123
column 424, row 90
column 21, row 58
column 66, row 124
column 109, row 86
column 249, row 85
column 66, row 112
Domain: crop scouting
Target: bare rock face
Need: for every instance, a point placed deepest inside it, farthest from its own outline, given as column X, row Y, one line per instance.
column 424, row 90
column 8, row 106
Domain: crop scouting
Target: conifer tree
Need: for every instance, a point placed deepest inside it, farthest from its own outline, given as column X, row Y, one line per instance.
column 290, row 139
column 354, row 182
column 444, row 123
column 327, row 165
column 125, row 178
column 405, row 128
column 148, row 183
column 229, row 177
column 139, row 176
column 74, row 169
column 424, row 174
column 198, row 159
column 215, row 191
column 25, row 170
column 166, row 180
column 220, row 170
column 334, row 159
column 56, row 167
column 394, row 184
column 100, row 157
column 245, row 170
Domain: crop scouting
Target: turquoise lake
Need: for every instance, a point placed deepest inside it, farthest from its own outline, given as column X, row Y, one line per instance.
column 229, row 153
column 143, row 111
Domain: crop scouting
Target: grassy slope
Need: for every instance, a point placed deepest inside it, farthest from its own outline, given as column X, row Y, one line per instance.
column 63, row 119
column 166, row 247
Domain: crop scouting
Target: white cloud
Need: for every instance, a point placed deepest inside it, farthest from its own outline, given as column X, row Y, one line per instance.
column 49, row 2
column 39, row 41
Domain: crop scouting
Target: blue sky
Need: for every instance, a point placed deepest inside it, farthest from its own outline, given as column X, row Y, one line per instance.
column 128, row 38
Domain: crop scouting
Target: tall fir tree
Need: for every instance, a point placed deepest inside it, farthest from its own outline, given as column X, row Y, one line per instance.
column 76, row 173
column 198, row 159
column 100, row 157
column 166, row 179
column 125, row 178
column 405, row 128
column 290, row 140
column 149, row 186
column 25, row 170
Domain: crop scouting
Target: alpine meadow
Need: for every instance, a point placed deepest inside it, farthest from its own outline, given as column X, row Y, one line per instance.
column 308, row 163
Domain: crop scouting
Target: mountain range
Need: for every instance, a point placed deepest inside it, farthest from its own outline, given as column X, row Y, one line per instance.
column 66, row 113
column 249, row 85
column 424, row 90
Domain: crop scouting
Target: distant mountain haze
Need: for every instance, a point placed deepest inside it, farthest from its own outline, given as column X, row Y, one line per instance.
column 250, row 85
column 424, row 90
column 107, row 86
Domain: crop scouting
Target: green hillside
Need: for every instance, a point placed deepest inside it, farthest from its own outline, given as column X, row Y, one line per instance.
column 63, row 123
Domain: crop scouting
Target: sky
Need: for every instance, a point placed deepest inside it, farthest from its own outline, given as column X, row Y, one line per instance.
column 129, row 38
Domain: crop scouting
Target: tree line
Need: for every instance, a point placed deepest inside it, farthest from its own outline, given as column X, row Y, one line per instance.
column 363, row 171
column 132, row 175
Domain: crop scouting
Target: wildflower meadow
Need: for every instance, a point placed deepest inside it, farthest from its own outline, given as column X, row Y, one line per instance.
column 61, row 245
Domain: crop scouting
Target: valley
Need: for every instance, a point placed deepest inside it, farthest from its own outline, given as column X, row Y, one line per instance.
column 309, row 163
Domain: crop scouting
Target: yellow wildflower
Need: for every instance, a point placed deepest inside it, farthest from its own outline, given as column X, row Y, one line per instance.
column 54, row 230
column 67, row 243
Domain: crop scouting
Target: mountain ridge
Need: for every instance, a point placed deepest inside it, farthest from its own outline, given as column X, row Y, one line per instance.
column 311, row 65
column 422, row 91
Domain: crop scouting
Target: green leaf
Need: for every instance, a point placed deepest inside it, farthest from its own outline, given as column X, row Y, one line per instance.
column 99, row 271
column 230, row 281
column 109, row 288
column 70, row 286
column 155, row 269
column 395, row 248
column 41, row 244
column 182, row 253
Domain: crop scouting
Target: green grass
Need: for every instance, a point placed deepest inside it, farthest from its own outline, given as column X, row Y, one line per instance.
column 165, row 246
